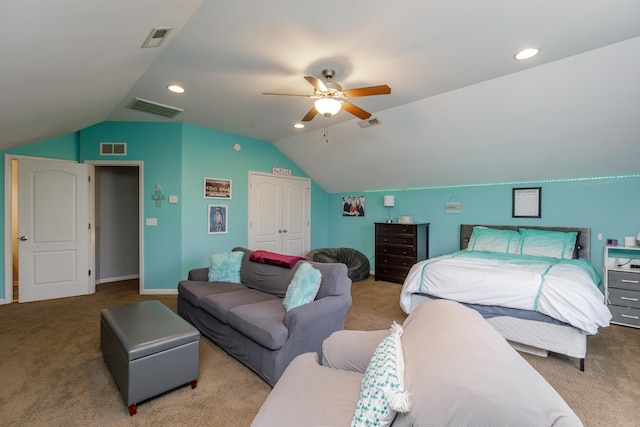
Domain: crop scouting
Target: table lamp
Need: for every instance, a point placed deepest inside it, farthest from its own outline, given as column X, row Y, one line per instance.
column 389, row 202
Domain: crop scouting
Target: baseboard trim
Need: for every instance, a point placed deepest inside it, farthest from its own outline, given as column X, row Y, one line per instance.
column 117, row 279
column 159, row 292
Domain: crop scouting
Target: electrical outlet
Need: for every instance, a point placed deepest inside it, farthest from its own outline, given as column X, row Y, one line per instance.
column 152, row 222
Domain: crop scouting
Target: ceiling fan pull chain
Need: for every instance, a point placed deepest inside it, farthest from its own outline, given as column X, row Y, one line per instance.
column 326, row 130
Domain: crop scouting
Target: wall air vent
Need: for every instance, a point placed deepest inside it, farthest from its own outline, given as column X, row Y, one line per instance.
column 113, row 149
column 154, row 107
column 373, row 121
column 156, row 37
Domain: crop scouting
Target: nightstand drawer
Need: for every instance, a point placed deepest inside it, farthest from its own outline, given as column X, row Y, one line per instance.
column 395, row 250
column 623, row 280
column 624, row 298
column 625, row 316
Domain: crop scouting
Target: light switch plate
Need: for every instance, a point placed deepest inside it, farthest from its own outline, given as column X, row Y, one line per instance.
column 173, row 199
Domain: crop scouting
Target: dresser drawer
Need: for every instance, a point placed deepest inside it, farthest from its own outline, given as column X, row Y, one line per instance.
column 623, row 280
column 625, row 316
column 395, row 229
column 395, row 240
column 395, row 261
column 624, row 298
column 391, row 273
column 396, row 250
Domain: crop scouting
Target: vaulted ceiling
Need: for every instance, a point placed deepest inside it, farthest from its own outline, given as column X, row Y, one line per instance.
column 68, row 64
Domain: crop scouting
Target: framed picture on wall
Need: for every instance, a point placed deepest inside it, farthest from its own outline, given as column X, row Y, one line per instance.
column 217, row 188
column 217, row 215
column 353, row 206
column 526, row 202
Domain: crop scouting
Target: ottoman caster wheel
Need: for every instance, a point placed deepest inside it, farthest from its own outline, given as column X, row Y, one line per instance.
column 194, row 384
column 133, row 409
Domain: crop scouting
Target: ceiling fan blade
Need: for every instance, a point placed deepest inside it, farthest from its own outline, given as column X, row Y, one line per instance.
column 368, row 91
column 310, row 115
column 317, row 83
column 289, row 94
column 356, row 111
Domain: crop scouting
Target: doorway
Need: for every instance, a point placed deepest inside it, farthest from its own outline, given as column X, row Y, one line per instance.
column 132, row 190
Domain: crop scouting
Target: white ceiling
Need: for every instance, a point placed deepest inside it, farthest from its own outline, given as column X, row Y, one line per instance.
column 68, row 64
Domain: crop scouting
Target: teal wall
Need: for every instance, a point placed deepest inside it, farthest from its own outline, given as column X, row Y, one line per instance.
column 209, row 153
column 610, row 206
column 178, row 157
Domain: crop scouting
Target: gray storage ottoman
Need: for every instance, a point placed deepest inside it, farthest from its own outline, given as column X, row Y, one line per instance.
column 149, row 350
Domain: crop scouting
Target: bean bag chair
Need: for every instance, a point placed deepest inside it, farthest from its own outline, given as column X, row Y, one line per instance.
column 356, row 261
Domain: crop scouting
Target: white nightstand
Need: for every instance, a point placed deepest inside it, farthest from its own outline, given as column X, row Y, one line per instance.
column 622, row 285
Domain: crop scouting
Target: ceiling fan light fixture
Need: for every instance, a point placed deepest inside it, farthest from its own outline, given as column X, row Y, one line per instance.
column 327, row 106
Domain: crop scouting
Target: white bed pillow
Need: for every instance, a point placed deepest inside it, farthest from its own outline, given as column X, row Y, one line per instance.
column 546, row 243
column 494, row 240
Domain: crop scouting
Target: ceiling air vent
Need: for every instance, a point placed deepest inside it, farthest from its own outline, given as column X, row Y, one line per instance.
column 113, row 149
column 153, row 107
column 156, row 37
column 368, row 123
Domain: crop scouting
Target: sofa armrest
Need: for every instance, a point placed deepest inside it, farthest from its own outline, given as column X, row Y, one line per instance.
column 199, row 274
column 351, row 350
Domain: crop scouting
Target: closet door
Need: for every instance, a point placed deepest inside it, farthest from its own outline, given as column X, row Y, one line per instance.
column 279, row 213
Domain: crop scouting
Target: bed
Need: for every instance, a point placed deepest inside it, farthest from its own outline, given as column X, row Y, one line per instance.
column 540, row 301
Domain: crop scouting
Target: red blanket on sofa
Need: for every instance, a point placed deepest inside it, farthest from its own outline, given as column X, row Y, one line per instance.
column 281, row 260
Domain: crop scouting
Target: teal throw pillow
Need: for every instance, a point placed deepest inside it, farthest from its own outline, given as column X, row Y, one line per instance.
column 303, row 287
column 382, row 393
column 225, row 267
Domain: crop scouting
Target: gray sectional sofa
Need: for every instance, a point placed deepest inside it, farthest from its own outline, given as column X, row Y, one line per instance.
column 248, row 320
column 458, row 370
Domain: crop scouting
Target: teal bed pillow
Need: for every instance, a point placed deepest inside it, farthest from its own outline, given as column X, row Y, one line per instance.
column 225, row 267
column 554, row 244
column 493, row 240
column 303, row 287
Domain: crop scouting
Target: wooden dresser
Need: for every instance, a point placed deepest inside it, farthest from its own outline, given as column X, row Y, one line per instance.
column 398, row 247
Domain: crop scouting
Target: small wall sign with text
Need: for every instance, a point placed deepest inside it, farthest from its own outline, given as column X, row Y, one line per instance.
column 280, row 171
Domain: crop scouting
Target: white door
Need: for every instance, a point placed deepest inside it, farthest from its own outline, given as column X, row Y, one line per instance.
column 53, row 229
column 279, row 214
column 295, row 216
column 265, row 212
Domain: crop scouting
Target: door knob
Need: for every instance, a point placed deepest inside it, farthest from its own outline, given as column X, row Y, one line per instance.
column 23, row 238
column 285, row 230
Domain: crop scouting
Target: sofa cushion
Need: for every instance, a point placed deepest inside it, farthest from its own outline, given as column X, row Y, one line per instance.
column 382, row 394
column 218, row 305
column 267, row 278
column 309, row 394
column 225, row 267
column 262, row 322
column 193, row 291
column 303, row 287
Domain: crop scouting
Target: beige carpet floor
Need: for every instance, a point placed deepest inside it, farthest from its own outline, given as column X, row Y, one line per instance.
column 52, row 372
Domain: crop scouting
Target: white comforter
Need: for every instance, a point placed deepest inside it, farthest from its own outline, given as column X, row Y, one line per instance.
column 566, row 290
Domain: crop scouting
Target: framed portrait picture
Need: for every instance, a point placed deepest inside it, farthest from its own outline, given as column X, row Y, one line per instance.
column 353, row 206
column 217, row 188
column 217, row 215
column 526, row 202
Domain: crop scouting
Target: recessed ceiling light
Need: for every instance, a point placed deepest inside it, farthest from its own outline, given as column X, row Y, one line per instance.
column 175, row 88
column 298, row 126
column 527, row 53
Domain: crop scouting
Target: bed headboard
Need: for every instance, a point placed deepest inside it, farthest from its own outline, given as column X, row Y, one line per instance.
column 583, row 241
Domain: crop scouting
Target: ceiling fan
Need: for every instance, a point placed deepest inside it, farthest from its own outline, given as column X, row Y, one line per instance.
column 330, row 97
